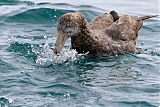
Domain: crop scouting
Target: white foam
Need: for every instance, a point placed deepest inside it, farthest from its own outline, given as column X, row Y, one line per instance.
column 47, row 56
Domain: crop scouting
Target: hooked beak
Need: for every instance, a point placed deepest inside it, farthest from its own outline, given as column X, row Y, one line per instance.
column 61, row 39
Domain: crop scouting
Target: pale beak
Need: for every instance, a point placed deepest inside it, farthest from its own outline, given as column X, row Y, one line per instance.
column 61, row 39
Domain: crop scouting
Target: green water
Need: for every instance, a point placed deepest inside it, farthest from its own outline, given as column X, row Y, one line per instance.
column 27, row 31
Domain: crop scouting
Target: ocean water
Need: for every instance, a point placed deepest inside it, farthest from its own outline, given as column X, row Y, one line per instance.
column 31, row 76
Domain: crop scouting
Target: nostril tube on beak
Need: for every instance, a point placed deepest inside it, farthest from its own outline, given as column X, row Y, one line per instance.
column 69, row 31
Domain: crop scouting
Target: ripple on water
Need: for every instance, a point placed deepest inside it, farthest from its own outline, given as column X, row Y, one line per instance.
column 6, row 67
column 23, row 49
column 136, row 103
column 31, row 75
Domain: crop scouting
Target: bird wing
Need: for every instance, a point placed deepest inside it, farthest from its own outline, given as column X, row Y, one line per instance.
column 102, row 21
column 126, row 28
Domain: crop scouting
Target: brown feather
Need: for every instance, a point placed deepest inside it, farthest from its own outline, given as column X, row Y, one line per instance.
column 106, row 34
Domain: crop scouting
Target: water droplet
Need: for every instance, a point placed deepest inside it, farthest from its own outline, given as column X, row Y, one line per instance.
column 28, row 52
column 10, row 101
column 45, row 36
column 67, row 95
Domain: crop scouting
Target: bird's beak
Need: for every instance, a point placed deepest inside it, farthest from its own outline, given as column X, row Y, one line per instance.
column 61, row 39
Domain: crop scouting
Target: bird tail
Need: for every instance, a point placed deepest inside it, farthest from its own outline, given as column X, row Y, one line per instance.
column 147, row 17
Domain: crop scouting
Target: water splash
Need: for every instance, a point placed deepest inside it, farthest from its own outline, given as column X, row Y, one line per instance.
column 5, row 101
column 47, row 56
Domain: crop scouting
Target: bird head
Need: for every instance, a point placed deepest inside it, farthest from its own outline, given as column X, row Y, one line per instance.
column 69, row 25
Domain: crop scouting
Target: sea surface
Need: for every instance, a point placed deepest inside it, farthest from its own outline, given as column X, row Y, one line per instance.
column 32, row 76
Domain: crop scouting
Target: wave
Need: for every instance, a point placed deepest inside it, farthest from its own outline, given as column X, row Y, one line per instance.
column 45, row 15
column 136, row 103
column 38, row 13
column 15, row 2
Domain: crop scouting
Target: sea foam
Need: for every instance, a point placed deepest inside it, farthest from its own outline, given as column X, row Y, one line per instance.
column 47, row 56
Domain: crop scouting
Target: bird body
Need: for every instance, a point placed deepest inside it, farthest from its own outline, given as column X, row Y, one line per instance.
column 107, row 34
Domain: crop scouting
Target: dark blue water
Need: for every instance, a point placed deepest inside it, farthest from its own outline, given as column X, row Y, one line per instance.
column 27, row 30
